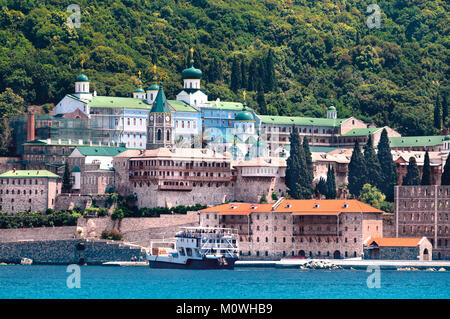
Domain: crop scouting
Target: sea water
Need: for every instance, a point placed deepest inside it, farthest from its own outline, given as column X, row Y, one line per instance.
column 261, row 283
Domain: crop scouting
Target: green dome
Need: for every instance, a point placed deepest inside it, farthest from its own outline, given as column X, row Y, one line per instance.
column 192, row 73
column 244, row 115
column 139, row 90
column 76, row 169
column 153, row 87
column 447, row 138
column 82, row 78
column 331, row 108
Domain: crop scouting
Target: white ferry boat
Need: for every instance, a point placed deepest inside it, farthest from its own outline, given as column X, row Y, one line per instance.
column 197, row 248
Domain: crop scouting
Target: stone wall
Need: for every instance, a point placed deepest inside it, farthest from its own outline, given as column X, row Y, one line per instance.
column 68, row 251
column 138, row 230
column 39, row 233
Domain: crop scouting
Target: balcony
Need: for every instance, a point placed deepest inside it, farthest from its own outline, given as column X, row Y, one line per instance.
column 317, row 233
column 175, row 187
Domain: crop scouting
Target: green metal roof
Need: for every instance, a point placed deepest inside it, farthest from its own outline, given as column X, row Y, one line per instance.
column 233, row 106
column 29, row 174
column 245, row 116
column 153, row 87
column 118, row 102
column 362, row 131
column 76, row 169
column 160, row 105
column 100, row 150
column 416, row 141
column 304, row 121
column 191, row 73
column 180, row 106
column 82, row 78
column 52, row 142
column 139, row 90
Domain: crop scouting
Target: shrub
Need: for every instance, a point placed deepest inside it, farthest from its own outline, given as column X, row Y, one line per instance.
column 112, row 235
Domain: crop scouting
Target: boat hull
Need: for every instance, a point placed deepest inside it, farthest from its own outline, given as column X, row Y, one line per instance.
column 194, row 264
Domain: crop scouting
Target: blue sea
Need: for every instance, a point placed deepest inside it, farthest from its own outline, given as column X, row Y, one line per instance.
column 261, row 283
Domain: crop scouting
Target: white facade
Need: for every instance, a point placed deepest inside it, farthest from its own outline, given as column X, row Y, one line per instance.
column 194, row 99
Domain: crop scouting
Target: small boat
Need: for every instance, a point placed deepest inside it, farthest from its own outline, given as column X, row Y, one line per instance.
column 197, row 248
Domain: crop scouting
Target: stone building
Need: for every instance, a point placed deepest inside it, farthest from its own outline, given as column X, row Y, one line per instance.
column 423, row 211
column 92, row 170
column 302, row 228
column 175, row 176
column 398, row 248
column 33, row 190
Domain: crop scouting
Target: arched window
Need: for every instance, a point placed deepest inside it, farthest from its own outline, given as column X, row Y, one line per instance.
column 159, row 135
column 168, row 135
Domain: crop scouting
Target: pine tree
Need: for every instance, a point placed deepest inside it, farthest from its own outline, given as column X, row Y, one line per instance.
column 356, row 171
column 388, row 176
column 445, row 177
column 67, row 179
column 331, row 183
column 270, row 81
column 309, row 163
column 426, row 171
column 412, row 174
column 372, row 164
column 235, row 84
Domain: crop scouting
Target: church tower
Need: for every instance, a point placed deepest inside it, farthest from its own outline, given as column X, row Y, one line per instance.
column 82, row 86
column 160, row 131
column 139, row 93
column 152, row 90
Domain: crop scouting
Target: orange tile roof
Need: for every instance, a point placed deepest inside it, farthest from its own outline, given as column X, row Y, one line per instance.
column 296, row 207
column 394, row 242
column 325, row 206
column 239, row 208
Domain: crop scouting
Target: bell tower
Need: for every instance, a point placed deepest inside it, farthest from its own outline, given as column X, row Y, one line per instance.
column 160, row 130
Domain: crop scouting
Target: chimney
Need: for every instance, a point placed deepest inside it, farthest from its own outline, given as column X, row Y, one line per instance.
column 30, row 127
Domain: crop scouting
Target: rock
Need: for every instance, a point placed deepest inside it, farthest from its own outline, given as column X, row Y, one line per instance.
column 26, row 261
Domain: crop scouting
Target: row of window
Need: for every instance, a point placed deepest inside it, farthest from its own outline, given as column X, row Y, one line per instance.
column 27, row 181
column 22, row 192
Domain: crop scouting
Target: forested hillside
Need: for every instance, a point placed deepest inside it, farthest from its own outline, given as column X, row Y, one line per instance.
column 294, row 57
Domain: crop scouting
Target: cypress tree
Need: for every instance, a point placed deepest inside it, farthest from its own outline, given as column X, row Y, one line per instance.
column 331, row 183
column 445, row 177
column 252, row 76
column 412, row 175
column 67, row 179
column 260, row 99
column 235, row 75
column 270, row 82
column 388, row 175
column 437, row 113
column 444, row 110
column 356, row 171
column 244, row 72
column 296, row 169
column 261, row 75
column 372, row 164
column 426, row 171
column 321, row 187
column 309, row 163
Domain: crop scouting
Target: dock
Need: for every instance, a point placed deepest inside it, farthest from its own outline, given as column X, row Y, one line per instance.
column 357, row 264
column 126, row 263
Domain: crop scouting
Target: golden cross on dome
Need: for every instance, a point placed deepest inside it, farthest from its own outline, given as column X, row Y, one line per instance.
column 154, row 69
column 192, row 52
column 82, row 63
column 139, row 73
column 244, row 94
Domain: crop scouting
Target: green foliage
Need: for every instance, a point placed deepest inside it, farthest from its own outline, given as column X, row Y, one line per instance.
column 412, row 174
column 357, row 177
column 372, row 164
column 317, row 49
column 321, row 187
column 263, row 199
column 123, row 211
column 274, row 196
column 388, row 172
column 371, row 195
column 297, row 179
column 67, row 179
column 445, row 178
column 426, row 171
column 387, row 207
column 331, row 184
column 112, row 235
column 37, row 219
